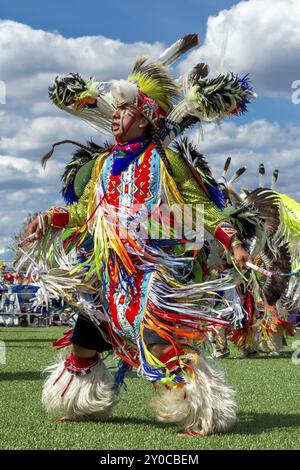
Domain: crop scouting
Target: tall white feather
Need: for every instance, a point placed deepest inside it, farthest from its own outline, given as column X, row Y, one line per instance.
column 262, row 173
column 178, row 48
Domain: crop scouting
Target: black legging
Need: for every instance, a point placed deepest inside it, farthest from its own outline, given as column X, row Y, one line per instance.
column 87, row 335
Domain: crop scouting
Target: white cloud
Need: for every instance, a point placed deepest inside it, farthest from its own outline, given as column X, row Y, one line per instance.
column 29, row 61
column 10, row 224
column 263, row 39
column 23, row 168
column 39, row 132
column 26, row 51
column 31, row 58
column 249, row 145
column 257, row 134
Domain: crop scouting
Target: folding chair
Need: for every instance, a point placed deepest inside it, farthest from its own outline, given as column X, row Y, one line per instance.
column 10, row 308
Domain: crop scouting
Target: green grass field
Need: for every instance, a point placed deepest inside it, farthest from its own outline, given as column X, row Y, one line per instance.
column 268, row 396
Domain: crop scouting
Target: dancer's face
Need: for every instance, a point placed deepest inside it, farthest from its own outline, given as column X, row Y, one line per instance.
column 127, row 123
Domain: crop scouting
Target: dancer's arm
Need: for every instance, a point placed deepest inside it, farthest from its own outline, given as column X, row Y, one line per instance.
column 74, row 215
column 214, row 219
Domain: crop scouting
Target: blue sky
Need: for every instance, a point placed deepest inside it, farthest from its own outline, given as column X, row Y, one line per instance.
column 160, row 20
column 39, row 40
column 157, row 20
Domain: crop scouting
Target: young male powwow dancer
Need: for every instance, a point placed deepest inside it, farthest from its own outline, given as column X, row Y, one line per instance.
column 142, row 290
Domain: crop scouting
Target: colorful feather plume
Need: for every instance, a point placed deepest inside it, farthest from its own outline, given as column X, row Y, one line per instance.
column 264, row 200
column 83, row 98
column 274, row 253
column 154, row 81
column 214, row 99
column 273, row 287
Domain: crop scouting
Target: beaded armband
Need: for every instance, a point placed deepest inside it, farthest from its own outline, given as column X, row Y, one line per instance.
column 227, row 235
column 58, row 217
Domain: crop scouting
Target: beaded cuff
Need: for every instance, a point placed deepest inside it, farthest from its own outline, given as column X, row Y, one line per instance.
column 225, row 233
column 59, row 217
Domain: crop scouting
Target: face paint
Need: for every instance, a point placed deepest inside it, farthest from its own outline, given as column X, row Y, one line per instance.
column 125, row 118
column 122, row 121
column 131, row 115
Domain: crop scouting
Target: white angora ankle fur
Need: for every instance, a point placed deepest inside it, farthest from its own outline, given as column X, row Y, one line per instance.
column 205, row 404
column 84, row 397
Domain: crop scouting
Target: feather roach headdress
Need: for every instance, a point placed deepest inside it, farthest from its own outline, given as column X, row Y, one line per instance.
column 171, row 105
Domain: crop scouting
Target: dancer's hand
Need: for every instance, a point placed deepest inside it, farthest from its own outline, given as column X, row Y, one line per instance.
column 241, row 256
column 36, row 228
